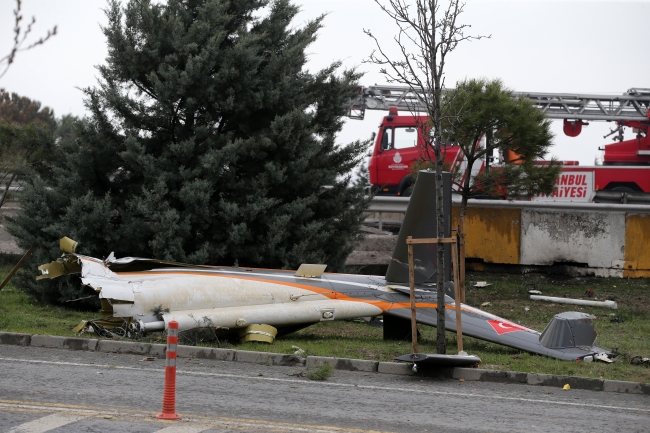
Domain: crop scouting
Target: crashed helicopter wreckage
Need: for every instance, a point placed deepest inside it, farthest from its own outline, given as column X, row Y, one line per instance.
column 146, row 294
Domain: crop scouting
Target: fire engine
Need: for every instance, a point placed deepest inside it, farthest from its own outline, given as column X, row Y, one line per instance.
column 623, row 177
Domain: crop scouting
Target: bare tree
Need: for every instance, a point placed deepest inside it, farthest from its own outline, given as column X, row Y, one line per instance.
column 427, row 34
column 20, row 39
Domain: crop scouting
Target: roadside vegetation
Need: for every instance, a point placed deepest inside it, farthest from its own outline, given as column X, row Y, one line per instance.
column 626, row 329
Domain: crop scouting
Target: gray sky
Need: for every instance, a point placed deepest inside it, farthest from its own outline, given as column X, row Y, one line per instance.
column 543, row 46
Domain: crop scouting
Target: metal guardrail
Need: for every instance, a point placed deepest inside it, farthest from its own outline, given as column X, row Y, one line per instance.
column 399, row 204
column 388, row 204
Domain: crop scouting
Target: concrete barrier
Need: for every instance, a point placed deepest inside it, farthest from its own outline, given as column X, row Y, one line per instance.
column 605, row 241
column 637, row 253
column 596, row 239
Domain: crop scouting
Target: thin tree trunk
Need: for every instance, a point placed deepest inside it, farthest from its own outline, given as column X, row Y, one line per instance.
column 441, row 344
column 440, row 281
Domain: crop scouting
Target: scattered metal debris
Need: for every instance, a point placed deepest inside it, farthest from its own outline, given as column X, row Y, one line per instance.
column 608, row 304
column 114, row 327
column 481, row 284
column 603, row 357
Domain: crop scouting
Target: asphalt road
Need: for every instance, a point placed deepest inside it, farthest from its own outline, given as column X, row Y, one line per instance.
column 67, row 391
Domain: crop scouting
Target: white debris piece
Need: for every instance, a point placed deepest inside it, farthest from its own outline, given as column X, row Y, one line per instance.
column 608, row 304
column 603, row 357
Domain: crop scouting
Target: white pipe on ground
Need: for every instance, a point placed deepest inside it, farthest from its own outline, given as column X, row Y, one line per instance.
column 152, row 326
column 608, row 304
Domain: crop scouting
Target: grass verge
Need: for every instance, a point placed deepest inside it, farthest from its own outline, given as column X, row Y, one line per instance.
column 627, row 328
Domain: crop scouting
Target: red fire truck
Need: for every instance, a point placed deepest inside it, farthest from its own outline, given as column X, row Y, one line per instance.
column 624, row 176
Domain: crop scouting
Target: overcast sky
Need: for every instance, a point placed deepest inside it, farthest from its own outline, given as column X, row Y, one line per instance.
column 543, row 46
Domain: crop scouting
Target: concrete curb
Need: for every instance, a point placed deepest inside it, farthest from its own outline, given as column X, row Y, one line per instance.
column 55, row 342
column 147, row 349
column 196, row 352
column 15, row 339
column 342, row 363
column 398, row 368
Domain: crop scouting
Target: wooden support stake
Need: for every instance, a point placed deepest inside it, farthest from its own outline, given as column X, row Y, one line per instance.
column 15, row 269
column 461, row 252
column 459, row 292
column 414, row 326
column 457, row 296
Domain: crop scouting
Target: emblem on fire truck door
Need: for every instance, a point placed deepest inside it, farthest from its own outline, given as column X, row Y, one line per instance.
column 397, row 163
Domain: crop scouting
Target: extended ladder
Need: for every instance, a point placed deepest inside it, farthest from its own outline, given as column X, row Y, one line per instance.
column 631, row 106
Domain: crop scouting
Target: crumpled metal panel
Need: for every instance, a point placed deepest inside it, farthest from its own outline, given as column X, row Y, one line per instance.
column 569, row 329
column 64, row 266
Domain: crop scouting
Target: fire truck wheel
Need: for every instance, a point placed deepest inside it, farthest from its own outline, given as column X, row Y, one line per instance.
column 405, row 186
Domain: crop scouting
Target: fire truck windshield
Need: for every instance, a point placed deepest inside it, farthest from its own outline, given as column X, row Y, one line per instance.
column 405, row 137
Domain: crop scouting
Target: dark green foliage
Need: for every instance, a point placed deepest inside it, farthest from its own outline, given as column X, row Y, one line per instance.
column 362, row 177
column 23, row 145
column 22, row 148
column 208, row 142
column 478, row 107
column 27, row 137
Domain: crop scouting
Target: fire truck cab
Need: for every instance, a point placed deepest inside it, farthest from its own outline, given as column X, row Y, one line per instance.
column 625, row 172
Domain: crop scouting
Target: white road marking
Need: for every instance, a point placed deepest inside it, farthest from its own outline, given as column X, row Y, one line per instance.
column 181, row 428
column 46, row 423
column 186, row 427
column 483, row 397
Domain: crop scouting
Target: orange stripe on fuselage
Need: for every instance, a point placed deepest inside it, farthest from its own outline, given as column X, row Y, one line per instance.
column 385, row 306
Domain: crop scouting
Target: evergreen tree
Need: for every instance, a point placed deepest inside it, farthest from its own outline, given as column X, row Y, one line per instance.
column 22, row 147
column 208, row 142
column 512, row 126
column 22, row 110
